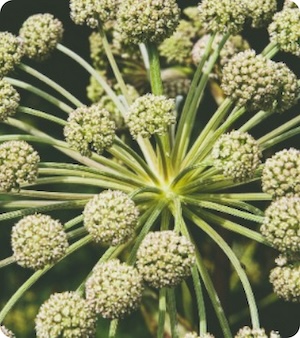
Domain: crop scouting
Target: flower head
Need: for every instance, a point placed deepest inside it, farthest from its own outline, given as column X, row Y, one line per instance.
column 38, row 240
column 18, row 164
column 9, row 100
column 11, row 52
column 281, row 225
column 164, row 258
column 281, row 173
column 285, row 30
column 222, row 16
column 7, row 332
column 65, row 314
column 247, row 332
column 90, row 129
column 148, row 20
column 114, row 289
column 40, row 34
column 110, row 217
column 237, row 154
column 150, row 114
column 194, row 335
column 260, row 12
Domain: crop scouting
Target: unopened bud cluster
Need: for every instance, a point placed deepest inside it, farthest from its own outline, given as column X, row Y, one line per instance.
column 8, row 333
column 194, row 335
column 9, row 100
column 247, row 332
column 11, row 52
column 260, row 12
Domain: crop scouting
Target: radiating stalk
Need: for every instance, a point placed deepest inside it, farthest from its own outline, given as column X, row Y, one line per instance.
column 162, row 308
column 172, row 311
column 43, row 115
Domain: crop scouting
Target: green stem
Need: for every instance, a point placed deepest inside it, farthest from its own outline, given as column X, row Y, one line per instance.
column 280, row 138
column 113, row 328
column 7, row 261
column 255, row 120
column 162, row 308
column 171, row 306
column 270, row 50
column 43, row 115
column 50, row 83
column 155, row 74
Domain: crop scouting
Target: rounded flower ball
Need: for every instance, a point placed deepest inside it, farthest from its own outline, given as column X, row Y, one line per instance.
column 18, row 165
column 147, row 20
column 281, row 173
column 165, row 259
column 237, row 154
column 38, row 240
column 40, row 34
column 150, row 114
column 260, row 12
column 9, row 100
column 110, row 217
column 194, row 335
column 90, row 129
column 114, row 289
column 11, row 52
column 247, row 332
column 281, row 225
column 7, row 333
column 67, row 315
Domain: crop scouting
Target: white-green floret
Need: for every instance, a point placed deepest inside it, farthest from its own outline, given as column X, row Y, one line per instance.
column 247, row 332
column 237, row 154
column 18, row 165
column 194, row 335
column 11, row 52
column 150, row 114
column 165, row 259
column 40, row 34
column 281, row 173
column 66, row 315
column 114, row 289
column 110, row 217
column 90, row 129
column 281, row 225
column 260, row 12
column 9, row 100
column 8, row 333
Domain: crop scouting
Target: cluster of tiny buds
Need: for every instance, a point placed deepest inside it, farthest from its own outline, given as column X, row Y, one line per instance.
column 38, row 240
column 150, row 114
column 66, row 315
column 114, row 289
column 7, row 333
column 281, row 173
column 195, row 335
column 247, row 332
column 110, row 217
column 165, row 258
column 18, row 165
column 237, row 154
column 281, row 225
column 40, row 34
column 90, row 129
column 9, row 100
column 260, row 12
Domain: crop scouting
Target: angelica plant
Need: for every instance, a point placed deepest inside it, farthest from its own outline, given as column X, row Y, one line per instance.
column 148, row 174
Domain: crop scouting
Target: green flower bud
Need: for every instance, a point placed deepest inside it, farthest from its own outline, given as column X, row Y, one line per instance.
column 247, row 332
column 66, row 315
column 150, row 114
column 110, row 217
column 18, row 165
column 222, row 16
column 281, row 173
column 7, row 332
column 281, row 225
column 9, row 100
column 38, row 240
column 148, row 20
column 114, row 289
column 40, row 34
column 237, row 154
column 260, row 11
column 11, row 52
column 165, row 259
column 285, row 30
column 90, row 11
column 90, row 129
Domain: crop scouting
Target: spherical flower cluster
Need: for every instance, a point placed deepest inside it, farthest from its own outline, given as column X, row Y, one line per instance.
column 281, row 173
column 90, row 11
column 247, row 332
column 194, row 335
column 150, row 114
column 40, row 34
column 97, row 52
column 38, row 240
column 90, row 129
column 164, row 258
column 286, row 281
column 9, row 100
column 11, row 52
column 18, row 164
column 66, row 315
column 285, row 30
column 237, row 154
column 7, row 332
column 176, row 86
column 281, row 225
column 110, row 217
column 260, row 12
column 222, row 16
column 114, row 289
column 148, row 20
